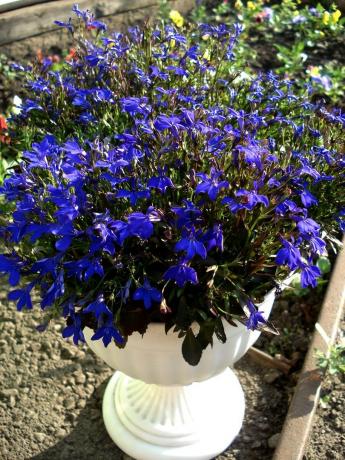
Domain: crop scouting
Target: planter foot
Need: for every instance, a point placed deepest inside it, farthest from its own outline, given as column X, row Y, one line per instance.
column 192, row 422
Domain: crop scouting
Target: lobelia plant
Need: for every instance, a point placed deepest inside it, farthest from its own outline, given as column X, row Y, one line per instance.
column 157, row 186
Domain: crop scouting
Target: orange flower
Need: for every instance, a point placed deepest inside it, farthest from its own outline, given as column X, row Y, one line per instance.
column 5, row 139
column 39, row 55
column 71, row 55
column 3, row 124
column 3, row 127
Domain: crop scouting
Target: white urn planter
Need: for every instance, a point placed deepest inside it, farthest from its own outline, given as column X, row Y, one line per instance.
column 156, row 406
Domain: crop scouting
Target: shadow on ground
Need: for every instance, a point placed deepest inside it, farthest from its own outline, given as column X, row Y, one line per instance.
column 88, row 439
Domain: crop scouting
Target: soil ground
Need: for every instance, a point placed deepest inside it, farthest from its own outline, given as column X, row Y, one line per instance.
column 327, row 440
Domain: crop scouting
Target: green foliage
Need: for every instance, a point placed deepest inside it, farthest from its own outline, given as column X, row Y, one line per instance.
column 292, row 58
column 334, row 362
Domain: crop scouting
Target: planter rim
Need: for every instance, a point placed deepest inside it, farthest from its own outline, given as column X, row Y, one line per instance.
column 156, row 330
column 156, row 357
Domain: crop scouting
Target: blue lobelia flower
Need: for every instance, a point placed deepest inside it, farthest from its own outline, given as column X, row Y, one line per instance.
column 191, row 245
column 133, row 195
column 74, row 329
column 309, row 275
column 55, row 291
column 93, row 24
column 98, row 308
column 103, row 95
column 22, row 296
column 107, row 332
column 135, row 105
column 187, row 215
column 48, row 265
column 180, row 71
column 181, row 274
column 67, row 25
column 308, row 227
column 213, row 238
column 74, row 150
column 172, row 34
column 171, row 123
column 65, row 202
column 287, row 206
column 42, row 152
column 30, row 105
column 254, row 154
column 84, row 268
column 141, row 225
column 211, row 184
column 255, row 317
column 80, row 99
column 107, row 233
column 288, row 255
column 11, row 266
column 160, row 182
column 67, row 232
column 147, row 294
column 317, row 245
column 250, row 198
column 307, row 198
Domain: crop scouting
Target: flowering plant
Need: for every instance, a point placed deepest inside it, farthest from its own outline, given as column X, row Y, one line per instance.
column 157, row 185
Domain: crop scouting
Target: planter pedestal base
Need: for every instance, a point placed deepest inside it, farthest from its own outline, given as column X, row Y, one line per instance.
column 192, row 422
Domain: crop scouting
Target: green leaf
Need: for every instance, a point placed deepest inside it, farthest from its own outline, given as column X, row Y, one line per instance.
column 191, row 348
column 324, row 264
column 183, row 319
column 169, row 323
column 205, row 335
column 181, row 334
column 219, row 330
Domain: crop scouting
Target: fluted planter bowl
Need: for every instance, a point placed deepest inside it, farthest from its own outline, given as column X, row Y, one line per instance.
column 157, row 406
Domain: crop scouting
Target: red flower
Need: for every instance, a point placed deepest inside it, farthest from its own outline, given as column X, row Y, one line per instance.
column 3, row 124
column 4, row 139
column 71, row 55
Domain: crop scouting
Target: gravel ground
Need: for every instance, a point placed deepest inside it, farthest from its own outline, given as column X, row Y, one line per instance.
column 327, row 440
column 51, row 394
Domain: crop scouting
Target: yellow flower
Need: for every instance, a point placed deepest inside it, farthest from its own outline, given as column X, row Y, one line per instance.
column 207, row 55
column 314, row 71
column 251, row 6
column 176, row 18
column 238, row 4
column 336, row 16
column 325, row 18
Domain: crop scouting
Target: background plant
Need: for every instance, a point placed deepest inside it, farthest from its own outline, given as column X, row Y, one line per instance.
column 304, row 36
column 334, row 363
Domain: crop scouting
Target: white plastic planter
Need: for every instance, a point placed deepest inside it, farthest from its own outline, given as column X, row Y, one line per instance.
column 159, row 407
